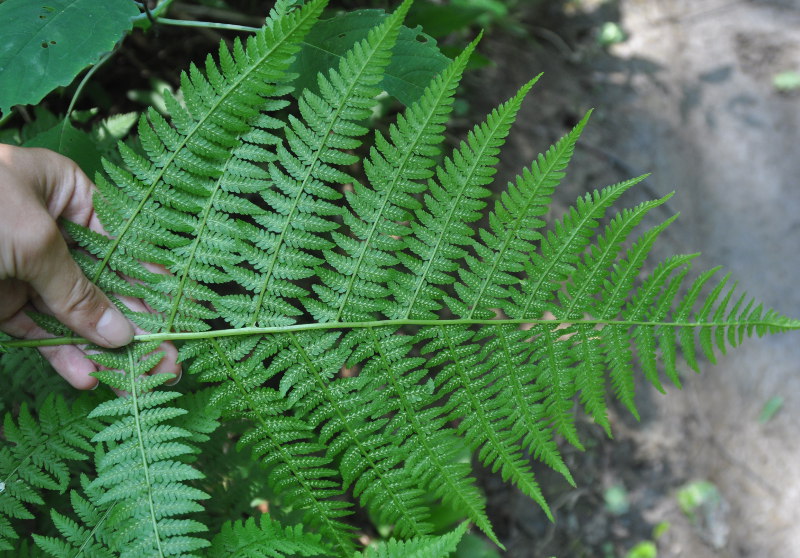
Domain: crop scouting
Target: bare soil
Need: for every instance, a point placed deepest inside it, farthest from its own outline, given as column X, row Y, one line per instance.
column 689, row 97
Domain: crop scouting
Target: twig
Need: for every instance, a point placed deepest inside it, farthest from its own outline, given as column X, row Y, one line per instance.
column 207, row 12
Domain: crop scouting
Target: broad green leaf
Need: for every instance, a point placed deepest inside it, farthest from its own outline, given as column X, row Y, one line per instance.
column 46, row 43
column 64, row 138
column 415, row 58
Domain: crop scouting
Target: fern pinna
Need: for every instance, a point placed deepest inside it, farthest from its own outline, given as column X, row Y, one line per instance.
column 292, row 260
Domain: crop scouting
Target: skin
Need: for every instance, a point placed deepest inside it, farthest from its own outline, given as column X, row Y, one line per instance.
column 38, row 186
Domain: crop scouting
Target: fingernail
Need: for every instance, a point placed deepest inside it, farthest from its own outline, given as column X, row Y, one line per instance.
column 114, row 328
column 175, row 380
column 94, row 387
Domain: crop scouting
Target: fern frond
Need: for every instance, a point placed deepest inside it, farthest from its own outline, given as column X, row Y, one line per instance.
column 286, row 445
column 35, row 457
column 265, row 538
column 454, row 200
column 142, row 472
column 559, row 250
column 394, row 168
column 341, row 412
column 85, row 537
column 505, row 353
column 306, row 175
column 173, row 207
column 471, row 397
column 514, row 223
column 439, row 546
column 487, row 342
column 431, row 451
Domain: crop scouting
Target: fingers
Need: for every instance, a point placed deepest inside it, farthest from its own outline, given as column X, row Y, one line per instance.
column 169, row 362
column 38, row 187
column 68, row 360
column 70, row 296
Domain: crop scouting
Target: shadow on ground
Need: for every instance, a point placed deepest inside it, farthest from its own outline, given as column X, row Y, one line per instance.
column 688, row 96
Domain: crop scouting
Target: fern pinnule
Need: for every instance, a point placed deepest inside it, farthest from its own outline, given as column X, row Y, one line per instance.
column 285, row 444
column 559, row 250
column 418, row 547
column 342, row 415
column 429, row 448
column 504, row 354
column 87, row 535
column 469, row 396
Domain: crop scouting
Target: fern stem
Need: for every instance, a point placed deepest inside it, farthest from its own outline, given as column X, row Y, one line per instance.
column 207, row 25
column 778, row 325
column 145, row 465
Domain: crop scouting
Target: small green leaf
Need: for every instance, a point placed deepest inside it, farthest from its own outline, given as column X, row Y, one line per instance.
column 661, row 529
column 610, row 34
column 696, row 494
column 644, row 549
column 786, row 81
column 415, row 57
column 770, row 409
column 616, row 498
column 50, row 43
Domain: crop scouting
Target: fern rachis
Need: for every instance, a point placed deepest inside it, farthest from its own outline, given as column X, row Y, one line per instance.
column 239, row 195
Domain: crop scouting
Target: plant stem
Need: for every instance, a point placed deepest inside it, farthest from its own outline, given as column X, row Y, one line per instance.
column 782, row 324
column 206, row 25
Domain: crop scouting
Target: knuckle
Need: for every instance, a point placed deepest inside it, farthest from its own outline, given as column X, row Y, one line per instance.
column 31, row 250
column 82, row 299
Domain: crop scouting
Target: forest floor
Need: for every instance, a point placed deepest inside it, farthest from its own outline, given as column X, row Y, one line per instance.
column 688, row 96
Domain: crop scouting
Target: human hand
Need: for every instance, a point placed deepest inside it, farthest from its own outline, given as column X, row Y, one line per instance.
column 37, row 272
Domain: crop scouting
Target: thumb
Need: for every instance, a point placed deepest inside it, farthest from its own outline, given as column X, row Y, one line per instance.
column 74, row 300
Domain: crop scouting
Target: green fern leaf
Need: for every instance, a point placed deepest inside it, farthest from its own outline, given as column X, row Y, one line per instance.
column 84, row 537
column 286, row 445
column 439, row 546
column 356, row 346
column 394, row 168
column 441, row 228
column 36, row 456
column 142, row 472
column 431, row 451
column 264, row 539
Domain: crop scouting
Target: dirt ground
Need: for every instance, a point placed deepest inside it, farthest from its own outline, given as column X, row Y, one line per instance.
column 688, row 96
